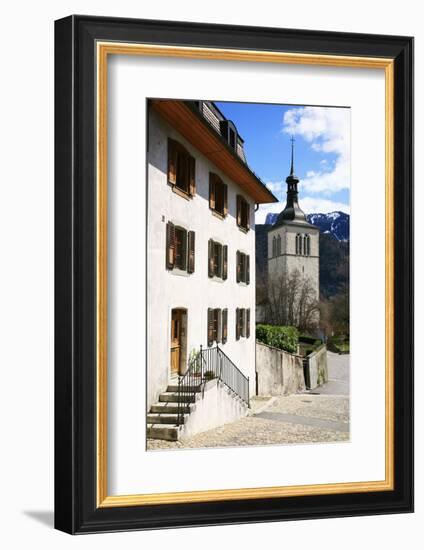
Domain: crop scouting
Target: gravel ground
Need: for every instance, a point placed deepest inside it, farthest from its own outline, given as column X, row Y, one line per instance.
column 302, row 418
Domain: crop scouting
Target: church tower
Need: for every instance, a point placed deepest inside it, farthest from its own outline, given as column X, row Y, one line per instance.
column 293, row 261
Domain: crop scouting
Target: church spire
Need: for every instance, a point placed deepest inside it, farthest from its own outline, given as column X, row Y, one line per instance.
column 292, row 156
column 292, row 211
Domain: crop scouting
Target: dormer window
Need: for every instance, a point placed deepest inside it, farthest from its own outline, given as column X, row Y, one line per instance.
column 229, row 133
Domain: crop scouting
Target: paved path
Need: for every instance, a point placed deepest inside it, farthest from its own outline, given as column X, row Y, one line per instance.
column 338, row 374
column 310, row 417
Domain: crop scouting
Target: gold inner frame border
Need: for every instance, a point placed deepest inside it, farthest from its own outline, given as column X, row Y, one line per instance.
column 103, row 50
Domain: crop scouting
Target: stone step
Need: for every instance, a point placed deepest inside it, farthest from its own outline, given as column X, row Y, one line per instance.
column 169, row 407
column 164, row 418
column 169, row 432
column 175, row 398
column 174, row 388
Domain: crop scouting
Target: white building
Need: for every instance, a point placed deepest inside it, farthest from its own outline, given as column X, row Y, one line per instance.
column 293, row 246
column 201, row 247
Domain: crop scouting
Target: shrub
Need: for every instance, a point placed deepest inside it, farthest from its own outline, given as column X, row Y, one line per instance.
column 285, row 338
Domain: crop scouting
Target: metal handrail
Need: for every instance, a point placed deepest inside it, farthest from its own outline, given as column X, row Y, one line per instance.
column 209, row 364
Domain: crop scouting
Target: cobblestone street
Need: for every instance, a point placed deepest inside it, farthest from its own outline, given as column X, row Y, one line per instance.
column 321, row 415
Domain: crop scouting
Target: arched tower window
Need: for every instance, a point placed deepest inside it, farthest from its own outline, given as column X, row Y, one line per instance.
column 298, row 243
column 307, row 245
column 274, row 247
column 279, row 245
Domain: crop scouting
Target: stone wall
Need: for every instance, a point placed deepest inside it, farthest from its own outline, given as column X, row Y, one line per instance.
column 317, row 368
column 278, row 372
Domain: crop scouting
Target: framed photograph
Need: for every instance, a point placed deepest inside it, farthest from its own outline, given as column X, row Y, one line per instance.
column 233, row 264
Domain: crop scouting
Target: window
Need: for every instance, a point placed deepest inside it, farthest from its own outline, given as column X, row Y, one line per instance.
column 218, row 195
column 274, row 247
column 217, row 259
column 242, row 267
column 307, row 245
column 279, row 245
column 242, row 323
column 217, row 326
column 298, row 244
column 243, row 213
column 181, row 168
column 303, row 244
column 180, row 248
column 229, row 133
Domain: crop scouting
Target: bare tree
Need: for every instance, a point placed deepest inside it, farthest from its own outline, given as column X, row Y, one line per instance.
column 292, row 301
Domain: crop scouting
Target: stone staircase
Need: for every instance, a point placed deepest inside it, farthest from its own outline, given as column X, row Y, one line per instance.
column 163, row 416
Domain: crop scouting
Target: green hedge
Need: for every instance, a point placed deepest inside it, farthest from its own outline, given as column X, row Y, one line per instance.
column 285, row 338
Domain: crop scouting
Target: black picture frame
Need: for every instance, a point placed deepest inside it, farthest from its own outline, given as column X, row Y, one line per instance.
column 76, row 510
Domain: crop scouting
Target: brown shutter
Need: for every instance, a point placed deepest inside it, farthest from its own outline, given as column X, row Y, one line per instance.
column 237, row 324
column 210, row 327
column 225, row 199
column 224, row 325
column 170, row 245
column 192, row 176
column 210, row 258
column 184, row 258
column 247, row 323
column 242, row 313
column 224, row 261
column 191, row 247
column 238, row 266
column 212, row 190
column 247, row 262
column 172, row 161
column 218, row 321
column 238, row 210
column 247, row 206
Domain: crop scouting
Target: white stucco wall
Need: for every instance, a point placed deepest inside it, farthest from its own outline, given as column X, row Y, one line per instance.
column 196, row 292
column 215, row 406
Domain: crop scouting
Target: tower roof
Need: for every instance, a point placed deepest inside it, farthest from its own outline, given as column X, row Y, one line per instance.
column 292, row 212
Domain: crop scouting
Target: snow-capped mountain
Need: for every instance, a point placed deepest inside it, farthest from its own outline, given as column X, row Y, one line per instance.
column 333, row 223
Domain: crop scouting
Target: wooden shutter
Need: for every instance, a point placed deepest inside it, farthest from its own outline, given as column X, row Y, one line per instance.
column 224, row 261
column 192, row 176
column 225, row 191
column 212, row 181
column 224, row 325
column 239, row 210
column 237, row 324
column 247, row 207
column 172, row 161
column 247, row 263
column 218, row 321
column 210, row 327
column 210, row 258
column 247, row 323
column 170, row 245
column 191, row 248
column 184, row 250
column 238, row 266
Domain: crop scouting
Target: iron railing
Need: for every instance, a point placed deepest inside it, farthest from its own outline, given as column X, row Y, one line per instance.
column 209, row 364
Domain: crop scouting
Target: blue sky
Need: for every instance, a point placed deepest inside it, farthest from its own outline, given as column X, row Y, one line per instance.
column 322, row 151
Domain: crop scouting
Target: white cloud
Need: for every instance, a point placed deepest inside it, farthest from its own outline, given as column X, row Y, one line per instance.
column 328, row 131
column 264, row 209
column 276, row 187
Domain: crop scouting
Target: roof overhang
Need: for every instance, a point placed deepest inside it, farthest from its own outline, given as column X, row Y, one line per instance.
column 190, row 123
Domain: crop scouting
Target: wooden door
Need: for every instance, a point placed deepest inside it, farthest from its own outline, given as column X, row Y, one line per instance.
column 175, row 341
